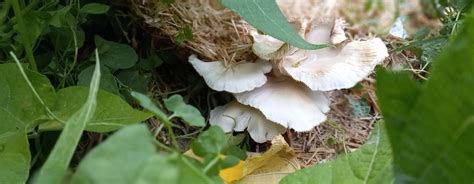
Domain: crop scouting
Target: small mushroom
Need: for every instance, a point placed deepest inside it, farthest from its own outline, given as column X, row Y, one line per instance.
column 333, row 68
column 267, row 47
column 234, row 78
column 237, row 117
column 288, row 103
column 338, row 35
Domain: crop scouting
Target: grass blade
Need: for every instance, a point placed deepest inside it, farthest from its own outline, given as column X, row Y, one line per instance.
column 56, row 166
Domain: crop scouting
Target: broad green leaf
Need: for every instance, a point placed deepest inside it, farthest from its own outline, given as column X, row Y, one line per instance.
column 63, row 38
column 148, row 104
column 134, row 147
column 14, row 149
column 135, row 80
column 229, row 161
column 94, row 8
column 168, row 171
column 17, row 98
column 107, row 79
column 111, row 113
column 59, row 17
column 266, row 16
column 54, row 169
column 120, row 159
column 432, row 132
column 190, row 173
column 188, row 113
column 371, row 163
column 396, row 102
column 211, row 141
column 115, row 55
column 19, row 110
column 149, row 64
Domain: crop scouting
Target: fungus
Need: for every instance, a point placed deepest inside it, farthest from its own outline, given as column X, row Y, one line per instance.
column 288, row 103
column 267, row 47
column 234, row 78
column 333, row 68
column 237, row 117
column 289, row 90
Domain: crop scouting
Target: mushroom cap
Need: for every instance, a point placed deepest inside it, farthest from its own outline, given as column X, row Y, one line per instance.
column 236, row 78
column 334, row 68
column 338, row 35
column 288, row 103
column 237, row 117
column 265, row 46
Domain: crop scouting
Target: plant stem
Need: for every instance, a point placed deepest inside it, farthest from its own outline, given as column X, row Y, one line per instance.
column 38, row 97
column 194, row 169
column 210, row 164
column 23, row 34
column 172, row 136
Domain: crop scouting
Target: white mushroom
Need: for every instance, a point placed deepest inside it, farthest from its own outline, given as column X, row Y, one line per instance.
column 238, row 77
column 266, row 47
column 338, row 35
column 333, row 68
column 288, row 103
column 237, row 117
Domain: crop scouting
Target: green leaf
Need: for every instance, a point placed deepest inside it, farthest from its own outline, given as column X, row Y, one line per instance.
column 432, row 131
column 148, row 104
column 112, row 112
column 132, row 146
column 115, row 55
column 185, row 34
column 266, row 16
column 17, row 98
column 135, row 80
column 57, row 163
column 371, row 163
column 188, row 113
column 19, row 110
column 107, row 79
column 94, row 8
column 59, row 17
column 229, row 161
column 211, row 141
column 14, row 149
column 63, row 38
column 149, row 64
column 360, row 107
column 391, row 98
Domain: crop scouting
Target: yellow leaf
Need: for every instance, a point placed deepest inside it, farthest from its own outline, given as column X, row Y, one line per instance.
column 230, row 175
column 269, row 167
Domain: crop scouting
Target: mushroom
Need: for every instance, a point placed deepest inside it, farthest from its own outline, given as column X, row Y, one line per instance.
column 338, row 35
column 332, row 68
column 237, row 117
column 294, row 96
column 288, row 103
column 235, row 77
column 267, row 47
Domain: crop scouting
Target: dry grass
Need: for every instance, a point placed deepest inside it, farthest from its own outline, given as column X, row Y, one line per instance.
column 218, row 34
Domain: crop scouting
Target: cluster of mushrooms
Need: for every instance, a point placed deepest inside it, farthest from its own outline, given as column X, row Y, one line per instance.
column 288, row 87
